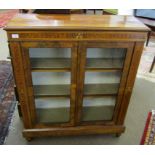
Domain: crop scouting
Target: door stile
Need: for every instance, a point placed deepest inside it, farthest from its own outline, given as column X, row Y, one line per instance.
column 74, row 59
column 80, row 80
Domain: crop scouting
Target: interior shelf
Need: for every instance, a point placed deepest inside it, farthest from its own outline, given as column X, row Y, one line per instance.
column 64, row 90
column 50, row 64
column 51, row 90
column 104, row 63
column 101, row 89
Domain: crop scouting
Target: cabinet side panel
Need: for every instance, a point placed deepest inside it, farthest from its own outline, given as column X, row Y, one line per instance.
column 80, row 80
column 20, row 82
column 130, row 81
column 123, row 79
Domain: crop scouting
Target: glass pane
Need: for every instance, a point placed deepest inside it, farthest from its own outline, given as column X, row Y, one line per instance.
column 53, row 110
column 101, row 83
column 50, row 52
column 46, row 58
column 47, row 86
column 105, row 58
column 106, row 80
column 43, row 78
column 51, row 83
column 51, row 88
column 98, row 108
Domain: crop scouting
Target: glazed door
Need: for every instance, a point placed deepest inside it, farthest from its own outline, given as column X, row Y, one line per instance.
column 50, row 69
column 103, row 71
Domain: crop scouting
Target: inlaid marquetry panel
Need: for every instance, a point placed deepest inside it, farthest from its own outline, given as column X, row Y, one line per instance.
column 76, row 35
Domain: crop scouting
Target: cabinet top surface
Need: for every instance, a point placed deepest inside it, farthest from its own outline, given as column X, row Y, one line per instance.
column 74, row 22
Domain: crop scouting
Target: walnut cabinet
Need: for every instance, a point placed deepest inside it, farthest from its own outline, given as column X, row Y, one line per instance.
column 74, row 73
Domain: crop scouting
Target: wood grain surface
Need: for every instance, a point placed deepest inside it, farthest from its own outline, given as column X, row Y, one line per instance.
column 80, row 22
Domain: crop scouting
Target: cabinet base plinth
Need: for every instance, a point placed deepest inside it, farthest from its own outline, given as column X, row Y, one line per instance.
column 78, row 130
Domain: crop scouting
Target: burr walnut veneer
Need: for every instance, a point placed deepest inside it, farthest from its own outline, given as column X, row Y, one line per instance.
column 74, row 73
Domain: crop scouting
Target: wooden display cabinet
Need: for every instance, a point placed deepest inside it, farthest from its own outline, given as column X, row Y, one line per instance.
column 74, row 73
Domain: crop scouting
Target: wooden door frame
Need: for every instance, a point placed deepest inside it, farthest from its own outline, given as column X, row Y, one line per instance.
column 81, row 71
column 27, row 71
column 20, row 80
column 137, row 51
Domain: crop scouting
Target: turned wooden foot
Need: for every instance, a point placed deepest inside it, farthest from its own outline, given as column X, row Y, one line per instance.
column 28, row 139
column 118, row 134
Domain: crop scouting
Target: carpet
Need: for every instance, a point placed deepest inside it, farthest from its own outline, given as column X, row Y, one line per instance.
column 7, row 98
column 148, row 137
column 5, row 16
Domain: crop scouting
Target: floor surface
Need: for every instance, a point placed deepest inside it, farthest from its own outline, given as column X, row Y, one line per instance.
column 4, row 50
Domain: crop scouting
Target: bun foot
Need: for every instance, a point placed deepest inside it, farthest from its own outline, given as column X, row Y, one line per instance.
column 28, row 139
column 118, row 134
